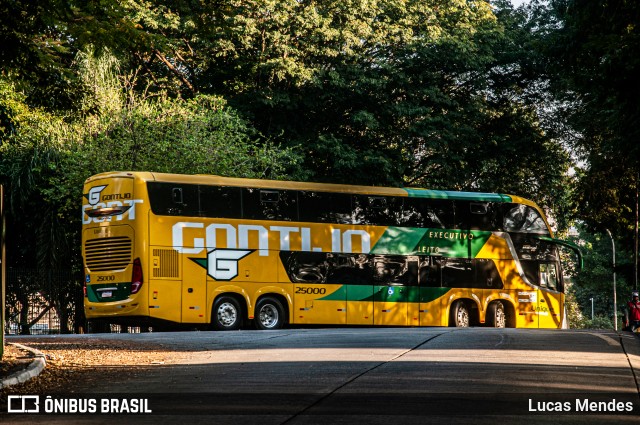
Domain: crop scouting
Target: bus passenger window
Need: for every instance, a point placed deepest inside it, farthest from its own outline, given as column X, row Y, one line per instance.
column 548, row 276
column 377, row 210
column 522, row 218
column 172, row 199
column 325, row 207
column 427, row 213
column 220, row 202
column 477, row 215
column 429, row 271
column 267, row 204
column 458, row 273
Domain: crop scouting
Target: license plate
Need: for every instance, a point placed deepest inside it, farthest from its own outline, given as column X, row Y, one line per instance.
column 107, row 294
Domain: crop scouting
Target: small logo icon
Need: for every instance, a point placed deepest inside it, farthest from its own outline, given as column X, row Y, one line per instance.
column 222, row 264
column 23, row 404
column 94, row 194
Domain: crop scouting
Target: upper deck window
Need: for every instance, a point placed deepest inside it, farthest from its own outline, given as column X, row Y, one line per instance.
column 325, row 207
column 174, row 199
column 267, row 204
column 523, row 219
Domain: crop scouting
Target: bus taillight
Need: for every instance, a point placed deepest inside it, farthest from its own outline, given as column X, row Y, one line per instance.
column 136, row 276
column 86, row 279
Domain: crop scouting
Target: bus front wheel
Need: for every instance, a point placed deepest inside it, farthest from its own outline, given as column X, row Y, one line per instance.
column 496, row 317
column 460, row 317
column 269, row 314
column 227, row 314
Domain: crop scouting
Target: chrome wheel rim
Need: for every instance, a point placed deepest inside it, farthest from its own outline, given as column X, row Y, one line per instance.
column 268, row 316
column 463, row 318
column 227, row 314
column 500, row 317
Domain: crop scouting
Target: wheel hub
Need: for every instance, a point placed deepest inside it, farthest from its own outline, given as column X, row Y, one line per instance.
column 227, row 314
column 268, row 316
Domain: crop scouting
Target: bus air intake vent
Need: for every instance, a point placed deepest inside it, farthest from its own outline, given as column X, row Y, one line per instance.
column 165, row 263
column 106, row 254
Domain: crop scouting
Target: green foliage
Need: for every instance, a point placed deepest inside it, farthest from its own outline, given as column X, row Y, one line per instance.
column 579, row 315
column 575, row 318
column 415, row 93
column 596, row 279
column 386, row 92
column 598, row 322
column 45, row 158
column 593, row 52
column 440, row 94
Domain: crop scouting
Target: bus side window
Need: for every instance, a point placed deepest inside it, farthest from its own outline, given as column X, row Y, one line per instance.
column 429, row 271
column 325, row 207
column 548, row 276
column 523, row 218
column 487, row 275
column 427, row 213
column 458, row 273
column 220, row 202
column 268, row 204
column 531, row 271
column 376, row 210
column 172, row 199
column 477, row 215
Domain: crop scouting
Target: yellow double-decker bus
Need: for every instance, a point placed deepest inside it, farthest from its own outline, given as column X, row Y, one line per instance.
column 163, row 249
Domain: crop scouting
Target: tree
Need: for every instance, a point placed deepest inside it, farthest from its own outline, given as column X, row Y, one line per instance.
column 45, row 158
column 596, row 279
column 593, row 51
column 431, row 94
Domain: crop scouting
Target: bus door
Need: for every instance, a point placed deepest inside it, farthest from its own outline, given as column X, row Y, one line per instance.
column 550, row 298
column 395, row 280
column 193, row 291
column 431, row 305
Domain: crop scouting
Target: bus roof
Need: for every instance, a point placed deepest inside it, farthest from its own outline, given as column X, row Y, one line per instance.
column 322, row 187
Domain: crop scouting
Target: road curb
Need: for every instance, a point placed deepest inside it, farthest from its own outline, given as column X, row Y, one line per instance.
column 35, row 367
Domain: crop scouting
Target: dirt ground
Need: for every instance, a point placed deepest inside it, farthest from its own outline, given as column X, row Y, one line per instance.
column 13, row 360
column 68, row 363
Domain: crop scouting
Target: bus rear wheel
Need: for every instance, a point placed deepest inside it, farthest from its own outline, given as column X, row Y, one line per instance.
column 496, row 317
column 227, row 314
column 269, row 314
column 460, row 317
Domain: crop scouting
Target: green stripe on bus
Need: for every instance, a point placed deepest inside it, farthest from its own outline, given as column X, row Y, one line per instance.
column 439, row 242
column 385, row 293
column 458, row 196
column 399, row 240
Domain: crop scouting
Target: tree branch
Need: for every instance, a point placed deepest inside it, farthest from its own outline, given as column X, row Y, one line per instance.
column 173, row 69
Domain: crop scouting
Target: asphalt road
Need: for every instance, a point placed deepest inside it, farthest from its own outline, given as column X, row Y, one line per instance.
column 375, row 376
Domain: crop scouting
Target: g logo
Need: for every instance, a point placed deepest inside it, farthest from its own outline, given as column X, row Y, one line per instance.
column 94, row 194
column 222, row 264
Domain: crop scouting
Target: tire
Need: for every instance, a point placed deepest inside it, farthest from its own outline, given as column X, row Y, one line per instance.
column 269, row 314
column 460, row 316
column 226, row 314
column 496, row 317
